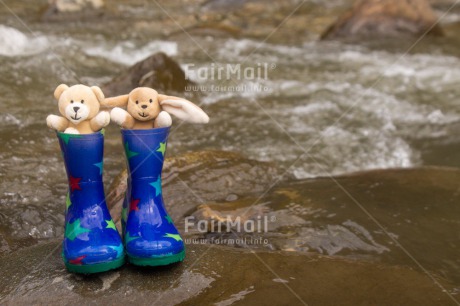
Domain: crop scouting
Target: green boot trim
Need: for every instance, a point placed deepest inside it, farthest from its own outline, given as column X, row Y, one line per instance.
column 157, row 261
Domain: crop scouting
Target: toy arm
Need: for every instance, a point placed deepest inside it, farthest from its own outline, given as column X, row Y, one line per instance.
column 57, row 123
column 122, row 118
column 101, row 120
column 163, row 120
column 119, row 101
column 183, row 109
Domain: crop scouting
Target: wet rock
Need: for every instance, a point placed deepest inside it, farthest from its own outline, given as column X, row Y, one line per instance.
column 158, row 71
column 199, row 177
column 220, row 213
column 217, row 275
column 65, row 10
column 369, row 215
column 414, row 208
column 370, row 18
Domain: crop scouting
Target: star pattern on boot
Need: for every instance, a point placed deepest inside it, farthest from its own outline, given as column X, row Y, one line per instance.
column 168, row 218
column 110, row 224
column 72, row 230
column 129, row 153
column 176, row 237
column 157, row 186
column 75, row 183
column 77, row 261
column 133, row 205
column 124, row 214
column 100, row 166
column 129, row 238
column 68, row 202
column 120, row 250
column 66, row 137
column 162, row 148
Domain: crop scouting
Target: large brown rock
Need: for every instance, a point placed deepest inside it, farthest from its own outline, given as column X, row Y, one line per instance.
column 417, row 208
column 158, row 71
column 385, row 18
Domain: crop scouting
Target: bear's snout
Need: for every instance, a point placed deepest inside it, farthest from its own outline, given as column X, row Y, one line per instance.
column 144, row 106
column 76, row 113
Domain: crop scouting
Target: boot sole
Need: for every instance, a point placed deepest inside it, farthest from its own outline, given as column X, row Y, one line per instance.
column 157, row 261
column 96, row 268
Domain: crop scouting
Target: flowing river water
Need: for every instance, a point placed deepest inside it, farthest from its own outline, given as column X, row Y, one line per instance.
column 350, row 107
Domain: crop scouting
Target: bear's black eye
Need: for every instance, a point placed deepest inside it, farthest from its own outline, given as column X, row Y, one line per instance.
column 151, row 100
column 137, row 102
column 82, row 101
column 71, row 101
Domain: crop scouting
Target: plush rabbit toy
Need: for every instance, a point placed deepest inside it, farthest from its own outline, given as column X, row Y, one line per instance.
column 150, row 236
column 146, row 109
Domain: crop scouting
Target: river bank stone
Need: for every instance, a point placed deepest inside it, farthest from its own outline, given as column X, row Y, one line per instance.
column 370, row 18
column 214, row 274
column 398, row 216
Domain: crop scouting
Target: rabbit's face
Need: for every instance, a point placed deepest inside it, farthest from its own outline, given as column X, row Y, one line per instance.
column 143, row 104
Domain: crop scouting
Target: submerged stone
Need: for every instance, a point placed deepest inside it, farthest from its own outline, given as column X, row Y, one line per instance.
column 370, row 18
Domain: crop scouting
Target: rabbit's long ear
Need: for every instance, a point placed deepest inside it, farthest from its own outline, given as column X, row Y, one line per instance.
column 118, row 101
column 183, row 109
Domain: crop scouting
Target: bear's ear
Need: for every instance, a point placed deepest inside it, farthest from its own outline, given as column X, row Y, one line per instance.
column 98, row 92
column 59, row 90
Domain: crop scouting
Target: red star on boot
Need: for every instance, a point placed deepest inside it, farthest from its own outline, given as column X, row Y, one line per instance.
column 133, row 205
column 75, row 183
column 77, row 261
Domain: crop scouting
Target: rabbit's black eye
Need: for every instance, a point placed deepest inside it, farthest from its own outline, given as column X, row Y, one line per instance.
column 151, row 100
column 82, row 101
column 137, row 102
column 71, row 101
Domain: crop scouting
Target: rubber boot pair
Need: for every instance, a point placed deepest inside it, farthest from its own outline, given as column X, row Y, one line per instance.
column 91, row 242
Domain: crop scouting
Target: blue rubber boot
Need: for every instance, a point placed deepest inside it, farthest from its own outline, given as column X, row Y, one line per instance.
column 91, row 242
column 150, row 237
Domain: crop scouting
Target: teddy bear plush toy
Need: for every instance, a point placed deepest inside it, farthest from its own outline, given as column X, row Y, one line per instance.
column 91, row 241
column 79, row 105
